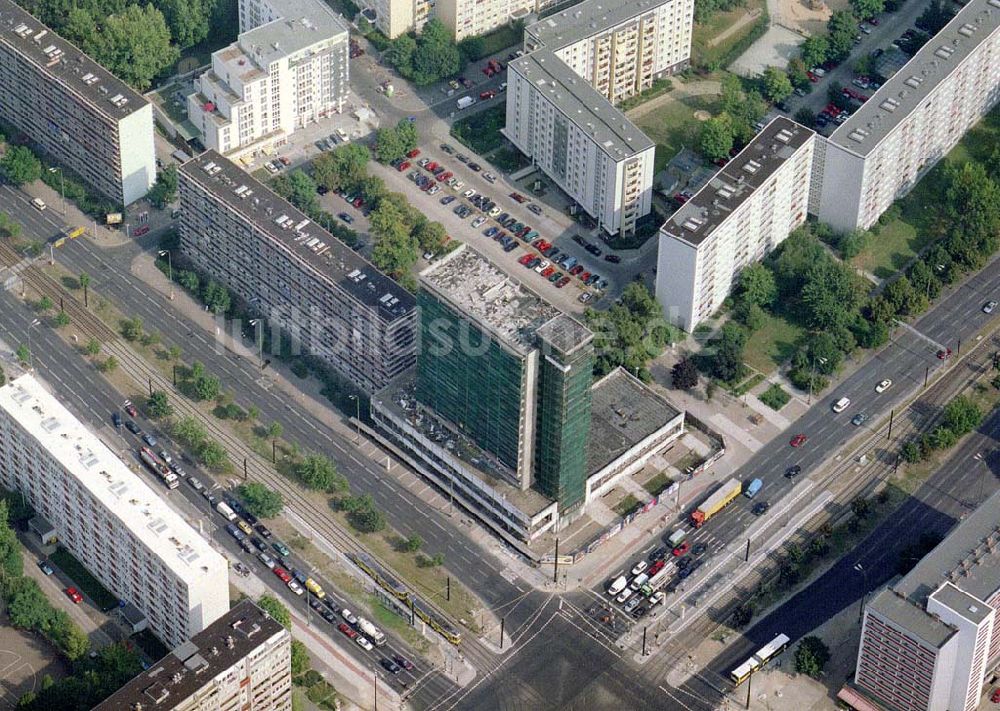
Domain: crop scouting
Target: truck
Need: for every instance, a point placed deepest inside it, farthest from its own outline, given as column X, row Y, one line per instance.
column 465, row 102
column 752, row 488
column 659, row 580
column 159, row 468
column 722, row 497
column 373, row 633
column 226, row 510
column 677, row 537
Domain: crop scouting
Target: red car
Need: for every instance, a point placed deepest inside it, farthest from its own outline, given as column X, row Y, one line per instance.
column 415, row 153
column 431, row 166
column 548, row 271
column 562, row 282
column 656, row 567
column 946, row 353
column 585, row 276
column 682, row 549
column 130, row 408
column 403, row 166
column 576, row 270
column 798, row 440
column 283, row 574
column 444, row 176
column 523, row 261
column 345, row 628
column 74, row 595
column 359, row 202
column 995, row 696
column 140, row 231
column 488, row 94
column 721, row 162
column 519, row 197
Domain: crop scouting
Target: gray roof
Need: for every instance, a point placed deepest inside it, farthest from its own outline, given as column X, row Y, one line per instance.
column 585, row 20
column 963, row 604
column 912, row 84
column 499, row 304
column 623, row 412
column 565, row 334
column 303, row 24
column 969, row 557
column 911, row 618
column 700, row 216
column 65, row 63
column 195, row 663
column 307, row 241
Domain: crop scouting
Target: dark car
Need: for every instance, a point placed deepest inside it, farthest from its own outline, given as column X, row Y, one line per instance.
column 250, row 518
column 475, row 167
column 263, row 530
column 390, row 666
column 613, row 258
column 760, row 508
column 403, row 662
column 688, row 570
column 793, row 471
column 345, row 217
column 658, row 553
column 132, row 427
column 116, row 419
column 699, row 549
column 258, row 544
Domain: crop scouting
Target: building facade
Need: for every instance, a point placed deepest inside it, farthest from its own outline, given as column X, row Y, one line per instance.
column 931, row 641
column 242, row 661
column 562, row 94
column 73, row 109
column 329, row 300
column 911, row 122
column 288, row 68
column 106, row 516
column 746, row 210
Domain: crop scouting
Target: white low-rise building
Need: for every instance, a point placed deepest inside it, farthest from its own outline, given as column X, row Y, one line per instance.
column 562, row 94
column 107, row 516
column 911, row 122
column 745, row 211
column 287, row 69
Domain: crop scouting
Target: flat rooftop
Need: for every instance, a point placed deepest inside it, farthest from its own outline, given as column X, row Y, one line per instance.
column 501, row 305
column 309, row 243
column 586, row 19
column 969, row 557
column 196, row 663
column 973, row 610
column 304, row 23
column 399, row 398
column 912, row 84
column 581, row 104
column 67, row 64
column 110, row 480
column 623, row 412
column 905, row 615
column 733, row 185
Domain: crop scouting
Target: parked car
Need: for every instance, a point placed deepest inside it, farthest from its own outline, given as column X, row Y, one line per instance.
column 74, row 595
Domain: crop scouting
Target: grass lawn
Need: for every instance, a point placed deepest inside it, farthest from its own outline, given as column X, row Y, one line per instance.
column 673, row 126
column 891, row 249
column 627, row 505
column 772, row 344
column 775, row 397
column 86, row 582
column 703, row 52
column 658, row 483
column 500, row 39
column 481, row 132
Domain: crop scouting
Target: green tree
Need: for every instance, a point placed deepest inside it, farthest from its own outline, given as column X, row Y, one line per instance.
column 400, row 54
column 300, row 658
column 406, row 131
column 797, row 73
column 108, row 365
column 27, row 606
column 972, row 204
column 8, row 228
column 44, row 304
column 188, row 20
column 904, row 298
column 23, row 354
column 726, row 360
column 815, row 50
column 212, row 455
column 158, row 405
column 20, row 166
column 362, row 514
column 189, row 432
column 831, row 295
column 395, row 251
column 318, row 472
column 84, row 284
column 131, row 328
column 133, row 44
column 911, row 452
column 298, row 188
column 757, row 286
column 205, row 387
column 430, row 236
column 189, row 280
column 261, row 501
column 388, row 145
column 866, row 9
column 372, row 190
column 716, row 139
column 962, row 415
column 842, row 28
column 436, row 55
column 684, row 374
column 777, row 85
column 811, row 656
column 278, row 612
column 343, row 167
column 275, row 430
column 61, row 319
column 216, row 297
column 164, row 191
column 413, row 543
column 93, row 347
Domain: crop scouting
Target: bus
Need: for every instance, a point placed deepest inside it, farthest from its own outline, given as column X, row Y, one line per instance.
column 759, row 658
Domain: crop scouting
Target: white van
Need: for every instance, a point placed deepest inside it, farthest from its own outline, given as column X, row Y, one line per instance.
column 639, row 581
column 841, row 404
column 38, row 204
column 617, row 585
column 227, row 513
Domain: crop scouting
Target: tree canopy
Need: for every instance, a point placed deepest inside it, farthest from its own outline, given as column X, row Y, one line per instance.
column 260, row 500
column 319, row 472
column 428, row 57
column 777, row 85
column 20, row 165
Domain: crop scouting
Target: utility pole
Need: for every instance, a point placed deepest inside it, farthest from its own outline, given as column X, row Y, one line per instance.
column 448, row 590
column 749, row 680
column 149, row 379
column 246, row 475
column 889, row 434
column 927, row 372
column 746, row 558
column 555, row 564
column 644, row 641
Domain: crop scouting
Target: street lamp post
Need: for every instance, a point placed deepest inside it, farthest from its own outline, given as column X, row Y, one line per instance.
column 864, row 590
column 31, row 355
column 62, row 186
column 259, row 333
column 170, row 270
column 812, row 375
column 357, row 418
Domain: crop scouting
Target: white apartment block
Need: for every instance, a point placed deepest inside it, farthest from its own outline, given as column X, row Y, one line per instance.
column 395, row 17
column 910, row 123
column 287, row 69
column 931, row 641
column 242, row 661
column 560, row 109
column 745, row 211
column 73, row 109
column 107, row 516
